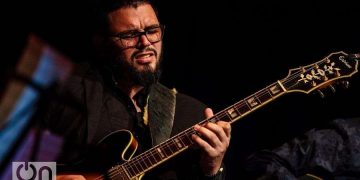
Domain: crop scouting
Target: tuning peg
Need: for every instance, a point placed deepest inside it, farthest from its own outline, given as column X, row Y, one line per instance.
column 354, row 56
column 313, row 83
column 332, row 88
column 321, row 93
column 345, row 84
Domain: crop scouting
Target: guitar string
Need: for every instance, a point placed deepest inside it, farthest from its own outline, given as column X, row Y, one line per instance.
column 223, row 113
column 220, row 115
column 147, row 154
column 114, row 173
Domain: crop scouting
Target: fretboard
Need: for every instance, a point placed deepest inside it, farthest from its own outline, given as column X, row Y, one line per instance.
column 178, row 143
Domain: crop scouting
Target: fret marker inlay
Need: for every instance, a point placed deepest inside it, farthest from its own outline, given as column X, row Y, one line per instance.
column 274, row 89
column 178, row 143
column 252, row 102
column 161, row 153
column 232, row 112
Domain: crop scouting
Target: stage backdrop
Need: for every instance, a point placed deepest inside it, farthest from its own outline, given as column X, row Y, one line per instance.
column 221, row 52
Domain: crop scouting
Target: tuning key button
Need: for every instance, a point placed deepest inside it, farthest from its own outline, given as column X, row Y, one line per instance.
column 332, row 88
column 313, row 83
column 321, row 93
column 346, row 84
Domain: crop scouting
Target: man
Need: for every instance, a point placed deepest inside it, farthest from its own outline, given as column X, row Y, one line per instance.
column 122, row 92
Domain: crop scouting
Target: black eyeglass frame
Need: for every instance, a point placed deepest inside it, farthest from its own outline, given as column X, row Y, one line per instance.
column 121, row 36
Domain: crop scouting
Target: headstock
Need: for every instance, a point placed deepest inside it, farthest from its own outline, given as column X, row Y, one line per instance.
column 336, row 67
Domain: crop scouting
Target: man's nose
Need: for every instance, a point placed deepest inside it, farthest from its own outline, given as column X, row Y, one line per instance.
column 143, row 41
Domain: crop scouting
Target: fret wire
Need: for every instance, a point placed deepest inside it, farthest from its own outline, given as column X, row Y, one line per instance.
column 248, row 105
column 188, row 132
column 157, row 155
column 119, row 173
column 180, row 139
column 237, row 110
column 266, row 96
column 137, row 158
column 139, row 161
column 136, row 161
column 185, row 137
column 169, row 146
column 121, row 169
column 212, row 119
column 146, row 161
column 130, row 168
column 153, row 155
column 241, row 103
column 111, row 173
column 132, row 172
column 220, row 115
column 136, row 167
column 148, row 155
column 269, row 93
column 164, row 150
column 174, row 144
column 256, row 96
column 130, row 165
column 227, row 114
column 217, row 118
column 136, row 164
column 239, row 106
column 142, row 158
column 140, row 164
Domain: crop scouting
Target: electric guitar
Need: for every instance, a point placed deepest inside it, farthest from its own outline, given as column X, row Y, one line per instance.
column 335, row 68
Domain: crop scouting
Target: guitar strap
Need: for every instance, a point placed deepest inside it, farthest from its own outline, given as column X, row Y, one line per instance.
column 159, row 112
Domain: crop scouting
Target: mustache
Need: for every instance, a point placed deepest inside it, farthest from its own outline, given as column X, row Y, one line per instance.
column 147, row 49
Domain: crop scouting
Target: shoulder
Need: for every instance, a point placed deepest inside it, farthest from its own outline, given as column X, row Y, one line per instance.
column 182, row 100
column 185, row 100
column 188, row 111
column 83, row 76
column 81, row 72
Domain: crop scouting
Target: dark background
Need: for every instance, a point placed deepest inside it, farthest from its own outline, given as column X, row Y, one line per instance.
column 221, row 52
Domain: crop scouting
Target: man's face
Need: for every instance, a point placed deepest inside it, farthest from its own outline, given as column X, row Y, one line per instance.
column 141, row 59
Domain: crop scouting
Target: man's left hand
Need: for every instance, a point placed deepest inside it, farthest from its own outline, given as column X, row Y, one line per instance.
column 213, row 139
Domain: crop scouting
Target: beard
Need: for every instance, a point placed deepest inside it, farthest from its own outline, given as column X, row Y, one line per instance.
column 127, row 70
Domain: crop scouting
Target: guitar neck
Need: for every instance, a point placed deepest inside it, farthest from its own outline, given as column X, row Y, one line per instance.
column 180, row 142
column 335, row 67
column 249, row 104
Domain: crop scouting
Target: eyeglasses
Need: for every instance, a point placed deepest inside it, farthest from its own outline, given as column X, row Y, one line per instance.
column 131, row 38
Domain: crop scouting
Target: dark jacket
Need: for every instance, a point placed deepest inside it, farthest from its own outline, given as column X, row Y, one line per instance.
column 89, row 107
